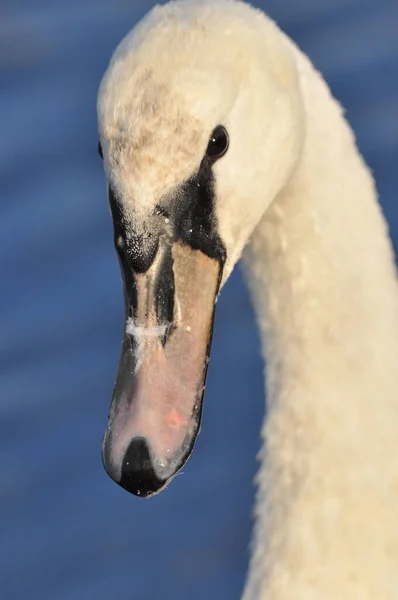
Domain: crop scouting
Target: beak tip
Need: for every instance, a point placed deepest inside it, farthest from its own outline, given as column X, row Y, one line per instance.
column 137, row 473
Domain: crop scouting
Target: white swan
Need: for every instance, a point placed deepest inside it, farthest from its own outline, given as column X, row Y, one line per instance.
column 218, row 135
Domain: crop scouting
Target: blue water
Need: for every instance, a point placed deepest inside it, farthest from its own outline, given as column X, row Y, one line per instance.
column 67, row 532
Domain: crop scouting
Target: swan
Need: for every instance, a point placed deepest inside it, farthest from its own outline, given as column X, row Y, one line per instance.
column 220, row 141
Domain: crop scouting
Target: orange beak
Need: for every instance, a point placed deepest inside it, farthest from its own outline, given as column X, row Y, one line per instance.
column 157, row 402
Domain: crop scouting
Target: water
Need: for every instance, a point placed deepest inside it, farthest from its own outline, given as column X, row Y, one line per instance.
column 67, row 532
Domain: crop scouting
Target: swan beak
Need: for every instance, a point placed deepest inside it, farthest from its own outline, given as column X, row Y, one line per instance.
column 157, row 402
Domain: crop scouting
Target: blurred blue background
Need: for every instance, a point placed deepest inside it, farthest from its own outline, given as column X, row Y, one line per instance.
column 68, row 532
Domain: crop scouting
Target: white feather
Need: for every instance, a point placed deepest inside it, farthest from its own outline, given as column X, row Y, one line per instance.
column 294, row 190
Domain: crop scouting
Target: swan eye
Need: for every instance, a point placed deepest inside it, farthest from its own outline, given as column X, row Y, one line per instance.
column 218, row 143
column 100, row 150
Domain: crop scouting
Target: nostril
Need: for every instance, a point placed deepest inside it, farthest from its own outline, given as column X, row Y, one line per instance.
column 138, row 476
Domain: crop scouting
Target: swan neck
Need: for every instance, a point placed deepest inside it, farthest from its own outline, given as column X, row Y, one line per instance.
column 321, row 271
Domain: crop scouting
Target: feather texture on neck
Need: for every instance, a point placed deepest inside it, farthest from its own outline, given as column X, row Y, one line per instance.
column 321, row 269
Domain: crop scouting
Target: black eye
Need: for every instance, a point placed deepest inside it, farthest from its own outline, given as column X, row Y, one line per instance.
column 100, row 150
column 218, row 143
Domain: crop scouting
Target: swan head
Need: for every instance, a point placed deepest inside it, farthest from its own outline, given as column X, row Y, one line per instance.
column 200, row 124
